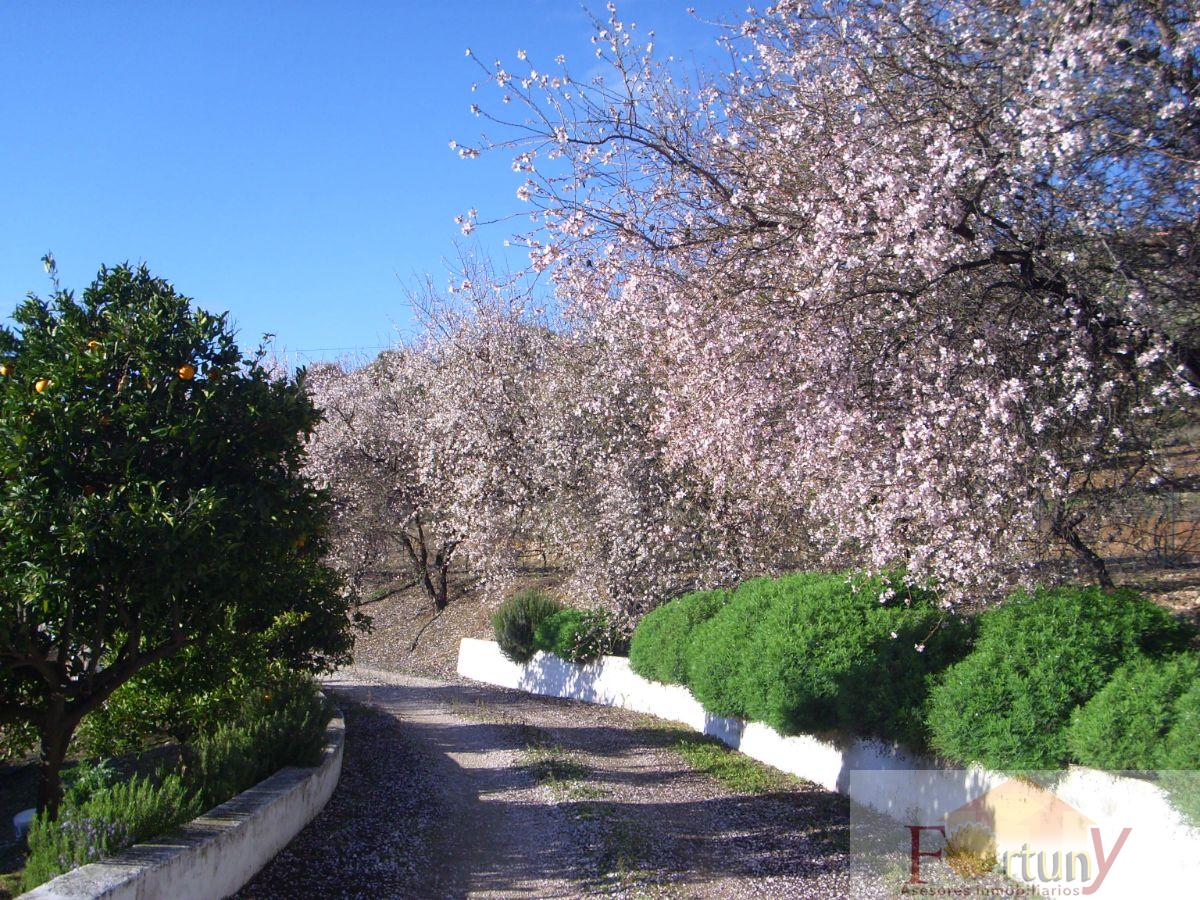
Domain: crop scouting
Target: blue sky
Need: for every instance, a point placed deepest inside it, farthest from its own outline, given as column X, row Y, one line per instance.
column 288, row 162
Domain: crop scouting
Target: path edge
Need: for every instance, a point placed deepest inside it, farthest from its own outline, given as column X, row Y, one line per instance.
column 879, row 775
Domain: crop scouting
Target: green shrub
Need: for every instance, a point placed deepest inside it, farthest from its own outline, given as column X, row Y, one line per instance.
column 555, row 631
column 516, row 620
column 1125, row 725
column 84, row 779
column 129, row 720
column 814, row 652
column 281, row 724
column 579, row 636
column 1180, row 758
column 1181, row 749
column 714, row 652
column 658, row 650
column 1039, row 656
column 108, row 820
column 154, row 706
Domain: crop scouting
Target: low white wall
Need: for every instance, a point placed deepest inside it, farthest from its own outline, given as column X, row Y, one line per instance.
column 1161, row 853
column 214, row 855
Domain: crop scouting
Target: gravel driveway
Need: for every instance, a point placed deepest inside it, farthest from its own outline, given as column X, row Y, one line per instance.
column 450, row 789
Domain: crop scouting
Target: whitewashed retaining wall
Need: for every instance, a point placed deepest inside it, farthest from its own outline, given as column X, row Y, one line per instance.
column 1160, row 858
column 214, row 855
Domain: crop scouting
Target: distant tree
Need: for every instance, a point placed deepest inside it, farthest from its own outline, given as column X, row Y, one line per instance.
column 373, row 453
column 426, row 452
column 633, row 525
column 497, row 434
column 928, row 269
column 152, row 500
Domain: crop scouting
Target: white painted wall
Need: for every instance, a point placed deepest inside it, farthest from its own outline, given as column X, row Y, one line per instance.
column 1160, row 858
column 213, row 856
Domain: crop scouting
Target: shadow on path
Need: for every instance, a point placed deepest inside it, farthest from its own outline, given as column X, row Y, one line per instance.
column 445, row 793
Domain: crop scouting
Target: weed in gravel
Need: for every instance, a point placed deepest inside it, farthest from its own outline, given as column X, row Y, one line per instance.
column 530, row 735
column 584, row 791
column 481, row 712
column 623, row 846
column 735, row 770
column 554, row 767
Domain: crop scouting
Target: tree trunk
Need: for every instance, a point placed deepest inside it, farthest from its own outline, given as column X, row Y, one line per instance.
column 442, row 563
column 56, row 737
column 432, row 568
column 1065, row 530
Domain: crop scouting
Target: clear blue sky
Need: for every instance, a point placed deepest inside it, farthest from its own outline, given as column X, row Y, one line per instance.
column 286, row 161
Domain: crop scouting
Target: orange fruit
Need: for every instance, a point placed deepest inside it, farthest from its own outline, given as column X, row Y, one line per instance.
column 92, row 345
column 41, row 384
column 5, row 369
column 300, row 541
column 187, row 372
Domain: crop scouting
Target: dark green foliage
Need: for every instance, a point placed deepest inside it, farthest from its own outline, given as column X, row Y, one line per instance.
column 84, row 779
column 658, row 650
column 816, row 652
column 516, row 620
column 1125, row 725
column 17, row 740
column 154, row 504
column 556, row 631
column 135, row 717
column 179, row 699
column 1039, row 656
column 579, row 636
column 1180, row 756
column 715, row 659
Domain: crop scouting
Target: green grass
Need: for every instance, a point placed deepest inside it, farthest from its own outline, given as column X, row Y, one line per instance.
column 735, row 770
column 554, row 767
column 623, row 848
column 10, row 885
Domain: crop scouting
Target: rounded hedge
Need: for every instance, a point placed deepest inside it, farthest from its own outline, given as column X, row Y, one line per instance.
column 817, row 651
column 579, row 636
column 714, row 653
column 1181, row 749
column 658, row 650
column 1037, row 657
column 554, row 632
column 1126, row 724
column 516, row 620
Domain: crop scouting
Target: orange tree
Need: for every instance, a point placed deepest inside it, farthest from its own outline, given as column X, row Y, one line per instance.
column 151, row 502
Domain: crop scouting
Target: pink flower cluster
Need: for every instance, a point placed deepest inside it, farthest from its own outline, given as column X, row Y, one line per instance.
column 903, row 286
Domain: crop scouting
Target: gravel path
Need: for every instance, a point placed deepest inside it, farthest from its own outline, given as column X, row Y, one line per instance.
column 452, row 789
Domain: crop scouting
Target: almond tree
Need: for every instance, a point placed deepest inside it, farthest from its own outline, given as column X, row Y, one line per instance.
column 633, row 526
column 425, row 451
column 377, row 454
column 497, row 435
column 926, row 269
